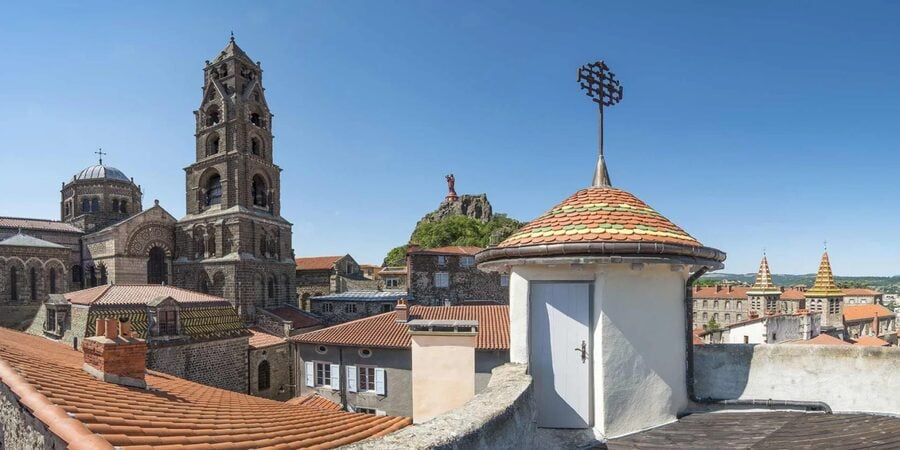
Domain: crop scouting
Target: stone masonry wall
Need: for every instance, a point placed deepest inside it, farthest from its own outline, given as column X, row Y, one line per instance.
column 221, row 363
column 343, row 311
column 281, row 371
column 466, row 283
column 19, row 429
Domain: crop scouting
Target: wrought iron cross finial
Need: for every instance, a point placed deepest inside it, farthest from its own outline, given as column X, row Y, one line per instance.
column 600, row 84
column 232, row 35
column 101, row 153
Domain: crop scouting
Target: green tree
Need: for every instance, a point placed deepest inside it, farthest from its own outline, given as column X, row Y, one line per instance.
column 396, row 257
column 712, row 325
column 456, row 230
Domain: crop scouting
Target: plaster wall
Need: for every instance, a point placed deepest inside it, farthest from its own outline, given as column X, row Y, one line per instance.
column 638, row 376
column 755, row 333
column 847, row 378
column 443, row 373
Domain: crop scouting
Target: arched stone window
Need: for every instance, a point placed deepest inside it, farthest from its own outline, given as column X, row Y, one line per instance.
column 103, row 279
column 85, row 205
column 156, row 266
column 13, row 283
column 258, row 190
column 262, row 376
column 214, row 190
column 33, row 283
column 123, row 207
column 204, row 284
column 115, row 205
column 255, row 146
column 255, row 119
column 92, row 273
column 271, row 288
column 211, row 244
column 76, row 274
column 95, row 204
column 212, row 144
column 52, row 280
column 212, row 115
column 262, row 246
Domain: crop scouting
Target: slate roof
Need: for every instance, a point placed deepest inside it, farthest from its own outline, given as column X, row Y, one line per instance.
column 260, row 339
column 173, row 413
column 314, row 400
column 600, row 214
column 866, row 312
column 38, row 224
column 317, row 262
column 383, row 330
column 362, row 296
column 298, row 318
column 100, row 171
column 137, row 294
column 24, row 240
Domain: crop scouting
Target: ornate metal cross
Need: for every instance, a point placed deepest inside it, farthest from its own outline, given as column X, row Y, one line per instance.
column 101, row 153
column 600, row 84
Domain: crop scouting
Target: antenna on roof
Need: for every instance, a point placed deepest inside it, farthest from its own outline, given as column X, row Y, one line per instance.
column 603, row 88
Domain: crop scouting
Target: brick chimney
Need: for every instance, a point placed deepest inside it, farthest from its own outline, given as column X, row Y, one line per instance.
column 114, row 355
column 401, row 311
column 718, row 288
column 697, row 288
column 875, row 325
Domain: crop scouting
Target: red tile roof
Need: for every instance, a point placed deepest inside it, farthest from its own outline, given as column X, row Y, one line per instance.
column 863, row 312
column 737, row 292
column 315, row 400
column 298, row 318
column 861, row 292
column 136, row 294
column 451, row 250
column 38, row 224
column 822, row 339
column 317, row 262
column 261, row 339
column 173, row 412
column 384, row 331
column 872, row 341
column 600, row 215
column 793, row 294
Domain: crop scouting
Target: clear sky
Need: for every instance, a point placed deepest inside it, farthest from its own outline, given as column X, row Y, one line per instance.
column 752, row 125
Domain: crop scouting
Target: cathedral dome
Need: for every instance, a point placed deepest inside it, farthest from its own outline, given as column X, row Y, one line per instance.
column 99, row 171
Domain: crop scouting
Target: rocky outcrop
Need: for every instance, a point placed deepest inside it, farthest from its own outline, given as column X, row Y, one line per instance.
column 474, row 206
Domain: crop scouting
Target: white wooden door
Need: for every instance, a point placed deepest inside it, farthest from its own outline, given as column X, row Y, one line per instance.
column 560, row 328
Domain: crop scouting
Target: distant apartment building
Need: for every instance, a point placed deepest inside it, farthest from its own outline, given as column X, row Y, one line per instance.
column 366, row 365
column 854, row 296
column 392, row 278
column 351, row 305
column 448, row 276
column 870, row 320
column 322, row 275
column 771, row 329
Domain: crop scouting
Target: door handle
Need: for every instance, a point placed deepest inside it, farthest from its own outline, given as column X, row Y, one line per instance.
column 583, row 351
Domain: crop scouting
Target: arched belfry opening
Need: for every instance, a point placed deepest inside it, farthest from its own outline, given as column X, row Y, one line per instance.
column 157, row 269
column 259, row 191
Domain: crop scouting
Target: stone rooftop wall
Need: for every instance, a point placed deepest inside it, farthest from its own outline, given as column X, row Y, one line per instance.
column 847, row 378
column 500, row 417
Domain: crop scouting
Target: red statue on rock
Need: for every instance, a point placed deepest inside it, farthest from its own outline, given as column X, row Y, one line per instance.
column 451, row 188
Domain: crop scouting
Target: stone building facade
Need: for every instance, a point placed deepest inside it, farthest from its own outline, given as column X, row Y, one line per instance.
column 31, row 269
column 271, row 364
column 448, row 276
column 99, row 196
column 323, row 275
column 351, row 305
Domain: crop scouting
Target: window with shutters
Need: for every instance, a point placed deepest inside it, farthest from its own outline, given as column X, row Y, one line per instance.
column 323, row 374
column 834, row 306
column 366, row 379
column 467, row 261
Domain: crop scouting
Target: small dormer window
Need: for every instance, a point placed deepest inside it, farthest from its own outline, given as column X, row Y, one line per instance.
column 167, row 323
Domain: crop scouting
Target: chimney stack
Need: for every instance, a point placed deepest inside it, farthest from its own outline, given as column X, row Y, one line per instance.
column 443, row 365
column 114, row 355
column 718, row 287
column 401, row 311
column 875, row 325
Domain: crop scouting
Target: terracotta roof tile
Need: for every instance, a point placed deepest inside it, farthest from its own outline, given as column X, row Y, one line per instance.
column 861, row 292
column 822, row 339
column 317, row 262
column 315, row 400
column 866, row 312
column 384, row 331
column 260, row 338
column 596, row 215
column 450, row 250
column 38, row 224
column 298, row 318
column 793, row 294
column 872, row 341
column 736, row 292
column 136, row 294
column 173, row 412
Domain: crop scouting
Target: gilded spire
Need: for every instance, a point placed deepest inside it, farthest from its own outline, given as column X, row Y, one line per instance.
column 824, row 285
column 763, row 284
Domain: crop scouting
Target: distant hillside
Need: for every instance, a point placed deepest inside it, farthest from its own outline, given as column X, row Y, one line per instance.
column 887, row 285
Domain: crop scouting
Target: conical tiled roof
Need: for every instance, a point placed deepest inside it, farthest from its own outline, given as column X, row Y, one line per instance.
column 824, row 285
column 598, row 221
column 763, row 284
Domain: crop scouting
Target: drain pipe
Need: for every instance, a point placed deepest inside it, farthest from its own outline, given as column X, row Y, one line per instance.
column 689, row 353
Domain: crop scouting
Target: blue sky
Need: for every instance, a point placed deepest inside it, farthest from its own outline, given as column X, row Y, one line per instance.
column 752, row 125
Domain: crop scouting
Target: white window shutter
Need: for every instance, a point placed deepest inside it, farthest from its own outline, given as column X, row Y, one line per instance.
column 351, row 378
column 310, row 374
column 379, row 381
column 335, row 376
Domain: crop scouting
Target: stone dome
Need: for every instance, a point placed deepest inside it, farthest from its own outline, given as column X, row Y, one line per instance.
column 99, row 171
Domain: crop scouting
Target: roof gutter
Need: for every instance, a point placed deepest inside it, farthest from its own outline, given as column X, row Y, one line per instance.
column 700, row 255
column 689, row 367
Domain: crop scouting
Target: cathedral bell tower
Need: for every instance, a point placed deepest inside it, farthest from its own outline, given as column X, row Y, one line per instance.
column 233, row 241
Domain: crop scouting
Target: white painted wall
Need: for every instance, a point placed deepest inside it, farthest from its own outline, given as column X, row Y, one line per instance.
column 638, row 339
column 848, row 378
column 755, row 333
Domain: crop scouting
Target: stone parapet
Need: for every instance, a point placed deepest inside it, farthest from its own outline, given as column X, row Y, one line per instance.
column 502, row 416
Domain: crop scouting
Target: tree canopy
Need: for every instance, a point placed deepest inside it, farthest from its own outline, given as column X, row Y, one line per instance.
column 456, row 230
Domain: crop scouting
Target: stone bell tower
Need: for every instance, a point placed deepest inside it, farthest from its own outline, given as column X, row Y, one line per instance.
column 233, row 241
